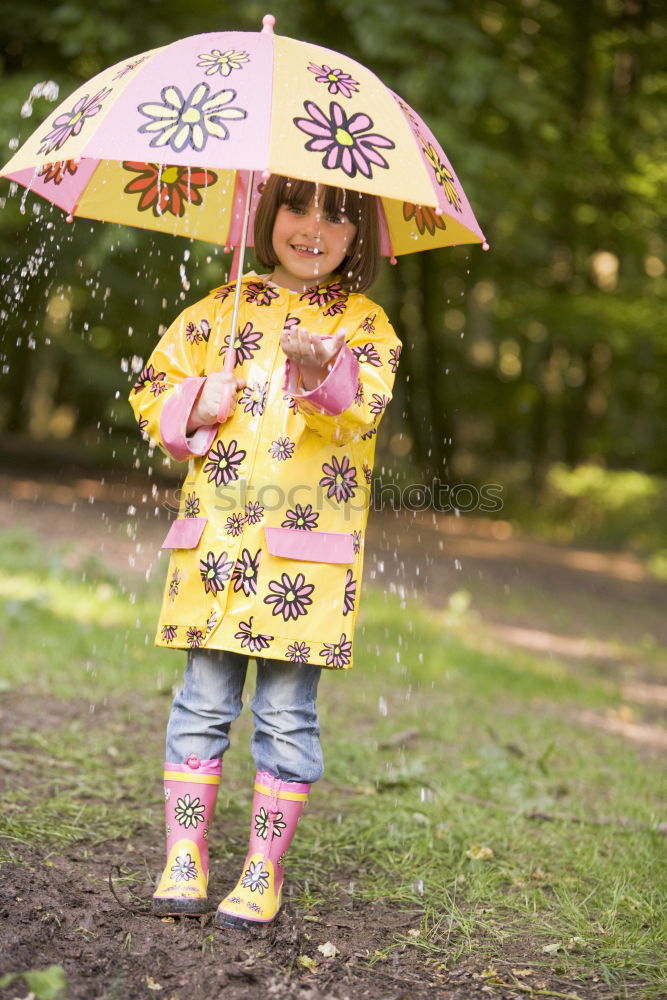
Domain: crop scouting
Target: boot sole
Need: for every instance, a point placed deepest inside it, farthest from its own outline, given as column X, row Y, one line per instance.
column 180, row 907
column 230, row 922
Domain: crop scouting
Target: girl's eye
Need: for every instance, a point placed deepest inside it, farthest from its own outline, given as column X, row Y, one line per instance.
column 339, row 219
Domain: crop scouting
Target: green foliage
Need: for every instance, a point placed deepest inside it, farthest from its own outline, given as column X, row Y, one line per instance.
column 464, row 782
column 44, row 984
column 549, row 348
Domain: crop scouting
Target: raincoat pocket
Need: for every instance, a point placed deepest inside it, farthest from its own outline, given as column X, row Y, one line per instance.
column 310, row 546
column 185, row 533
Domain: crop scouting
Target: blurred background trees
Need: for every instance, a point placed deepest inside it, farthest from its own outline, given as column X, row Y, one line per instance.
column 547, row 353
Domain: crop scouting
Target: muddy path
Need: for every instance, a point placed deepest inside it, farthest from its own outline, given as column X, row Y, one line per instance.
column 87, row 910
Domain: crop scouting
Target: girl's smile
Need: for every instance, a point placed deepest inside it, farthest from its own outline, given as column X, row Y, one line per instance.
column 309, row 245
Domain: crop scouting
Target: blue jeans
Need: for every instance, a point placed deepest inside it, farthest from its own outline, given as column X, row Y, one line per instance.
column 285, row 742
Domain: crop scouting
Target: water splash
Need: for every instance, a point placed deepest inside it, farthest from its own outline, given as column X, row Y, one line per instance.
column 46, row 89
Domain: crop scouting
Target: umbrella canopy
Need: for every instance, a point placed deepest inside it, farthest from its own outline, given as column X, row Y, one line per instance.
column 171, row 140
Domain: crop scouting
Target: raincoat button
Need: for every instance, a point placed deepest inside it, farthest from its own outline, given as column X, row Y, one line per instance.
column 193, row 761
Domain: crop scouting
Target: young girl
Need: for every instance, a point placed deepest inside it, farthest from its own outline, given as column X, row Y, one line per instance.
column 267, row 549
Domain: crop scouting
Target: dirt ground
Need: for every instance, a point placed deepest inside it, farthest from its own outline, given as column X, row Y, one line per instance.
column 90, row 914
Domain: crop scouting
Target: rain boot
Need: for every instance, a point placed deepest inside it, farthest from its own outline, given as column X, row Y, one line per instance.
column 276, row 809
column 190, row 791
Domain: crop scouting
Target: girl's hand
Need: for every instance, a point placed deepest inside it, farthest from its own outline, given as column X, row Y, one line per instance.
column 313, row 354
column 205, row 411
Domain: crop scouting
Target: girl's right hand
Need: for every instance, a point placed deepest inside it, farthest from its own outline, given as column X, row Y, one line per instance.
column 205, row 411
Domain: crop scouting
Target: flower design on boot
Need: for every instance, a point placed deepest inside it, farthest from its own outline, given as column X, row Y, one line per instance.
column 189, row 812
column 184, row 869
column 262, row 823
column 256, row 877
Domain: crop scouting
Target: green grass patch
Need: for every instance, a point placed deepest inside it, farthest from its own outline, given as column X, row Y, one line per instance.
column 461, row 785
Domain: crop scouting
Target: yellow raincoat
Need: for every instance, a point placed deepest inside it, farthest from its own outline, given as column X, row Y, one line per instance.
column 267, row 549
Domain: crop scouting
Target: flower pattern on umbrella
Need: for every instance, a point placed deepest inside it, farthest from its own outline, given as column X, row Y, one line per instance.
column 245, row 572
column 167, row 189
column 223, row 463
column 337, row 80
column 223, row 63
column 426, row 218
column 301, row 518
column 71, row 122
column 246, row 343
column 181, row 122
column 55, row 173
column 443, row 176
column 340, row 478
column 298, row 652
column 253, row 641
column 215, row 571
column 347, row 143
column 188, row 811
column 290, row 598
column 356, row 541
column 337, row 654
column 129, row 67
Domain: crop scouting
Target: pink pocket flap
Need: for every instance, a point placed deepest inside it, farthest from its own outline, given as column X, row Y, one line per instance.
column 185, row 533
column 311, row 546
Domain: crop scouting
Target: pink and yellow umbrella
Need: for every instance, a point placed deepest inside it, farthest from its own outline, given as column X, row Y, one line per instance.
column 172, row 140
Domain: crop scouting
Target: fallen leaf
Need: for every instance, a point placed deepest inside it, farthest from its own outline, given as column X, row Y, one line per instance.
column 152, row 985
column 522, row 973
column 328, row 949
column 306, row 962
column 551, row 949
column 414, row 932
column 478, row 852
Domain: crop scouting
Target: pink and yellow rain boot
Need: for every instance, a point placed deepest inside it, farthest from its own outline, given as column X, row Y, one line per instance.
column 190, row 791
column 276, row 809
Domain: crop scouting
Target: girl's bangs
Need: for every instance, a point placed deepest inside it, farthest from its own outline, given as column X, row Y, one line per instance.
column 332, row 200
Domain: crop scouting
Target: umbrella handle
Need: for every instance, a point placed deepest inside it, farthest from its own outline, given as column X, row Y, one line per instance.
column 228, row 391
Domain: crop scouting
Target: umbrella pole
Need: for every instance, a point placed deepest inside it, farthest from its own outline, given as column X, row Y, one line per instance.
column 230, row 355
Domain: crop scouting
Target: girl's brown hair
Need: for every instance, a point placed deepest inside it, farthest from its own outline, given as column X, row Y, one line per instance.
column 359, row 268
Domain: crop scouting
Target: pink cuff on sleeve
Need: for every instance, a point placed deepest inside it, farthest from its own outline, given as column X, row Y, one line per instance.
column 336, row 393
column 174, row 421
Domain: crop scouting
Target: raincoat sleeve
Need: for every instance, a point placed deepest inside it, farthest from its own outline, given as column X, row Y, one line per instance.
column 350, row 402
column 170, row 383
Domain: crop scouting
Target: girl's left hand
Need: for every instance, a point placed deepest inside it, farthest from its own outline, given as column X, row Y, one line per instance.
column 310, row 350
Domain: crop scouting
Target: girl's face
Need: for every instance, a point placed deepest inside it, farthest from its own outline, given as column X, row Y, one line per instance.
column 309, row 244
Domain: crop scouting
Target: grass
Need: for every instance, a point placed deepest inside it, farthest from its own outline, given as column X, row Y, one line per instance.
column 503, row 827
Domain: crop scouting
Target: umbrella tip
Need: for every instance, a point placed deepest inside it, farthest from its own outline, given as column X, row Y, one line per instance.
column 485, row 246
column 393, row 261
column 268, row 22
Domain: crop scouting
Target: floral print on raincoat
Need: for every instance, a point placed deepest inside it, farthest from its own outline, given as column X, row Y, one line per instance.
column 267, row 548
